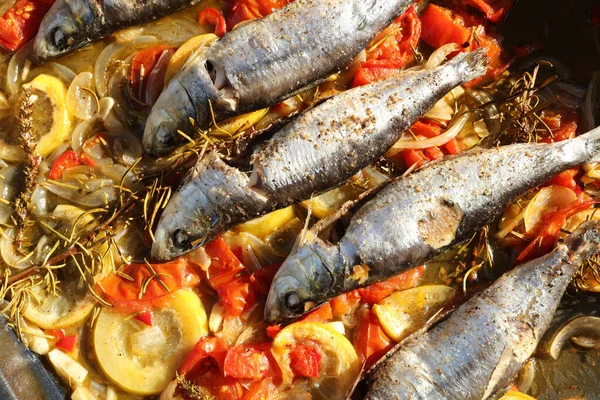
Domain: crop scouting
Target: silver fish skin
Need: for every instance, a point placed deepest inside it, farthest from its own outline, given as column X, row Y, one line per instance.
column 417, row 217
column 22, row 374
column 482, row 346
column 72, row 24
column 319, row 150
column 265, row 61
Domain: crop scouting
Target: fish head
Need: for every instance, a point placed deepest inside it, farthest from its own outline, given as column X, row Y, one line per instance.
column 185, row 224
column 301, row 284
column 65, row 27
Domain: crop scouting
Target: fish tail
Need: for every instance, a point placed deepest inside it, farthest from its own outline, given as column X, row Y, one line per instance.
column 592, row 142
column 584, row 242
column 471, row 65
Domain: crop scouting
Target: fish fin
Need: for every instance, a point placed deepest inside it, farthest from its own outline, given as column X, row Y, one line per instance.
column 471, row 65
column 584, row 241
column 592, row 139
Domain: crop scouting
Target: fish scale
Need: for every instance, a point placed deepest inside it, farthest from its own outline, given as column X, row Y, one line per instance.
column 319, row 150
column 419, row 216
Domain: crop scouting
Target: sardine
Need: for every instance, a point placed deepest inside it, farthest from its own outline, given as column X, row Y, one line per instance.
column 481, row 347
column 22, row 374
column 320, row 149
column 265, row 61
column 417, row 217
column 72, row 24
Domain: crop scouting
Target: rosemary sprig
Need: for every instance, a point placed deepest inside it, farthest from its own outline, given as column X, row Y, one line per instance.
column 27, row 140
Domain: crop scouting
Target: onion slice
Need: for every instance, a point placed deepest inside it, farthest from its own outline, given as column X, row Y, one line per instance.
column 587, row 325
column 437, row 57
column 442, row 139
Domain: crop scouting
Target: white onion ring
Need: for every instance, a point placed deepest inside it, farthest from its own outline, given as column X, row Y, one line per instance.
column 587, row 325
column 438, row 56
column 442, row 139
column 16, row 67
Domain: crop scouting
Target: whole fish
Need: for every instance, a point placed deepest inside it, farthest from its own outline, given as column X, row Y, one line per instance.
column 265, row 61
column 417, row 217
column 320, row 149
column 482, row 346
column 22, row 374
column 72, row 24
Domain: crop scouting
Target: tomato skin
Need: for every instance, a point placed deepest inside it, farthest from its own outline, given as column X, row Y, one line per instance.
column 236, row 296
column 208, row 352
column 378, row 291
column 145, row 317
column 494, row 10
column 245, row 10
column 441, row 26
column 212, row 16
column 261, row 390
column 566, row 179
column 412, row 157
column 66, row 160
column 253, row 361
column 273, row 330
column 320, row 314
column 67, row 343
column 305, row 361
column 345, row 303
column 124, row 294
column 370, row 341
column 427, row 130
column 141, row 66
column 21, row 22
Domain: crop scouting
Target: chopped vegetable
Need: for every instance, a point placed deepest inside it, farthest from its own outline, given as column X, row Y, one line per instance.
column 145, row 317
column 147, row 74
column 66, row 160
column 245, row 10
column 267, row 224
column 184, row 52
column 548, row 200
column 370, row 340
column 441, row 26
column 67, row 343
column 494, row 10
column 378, row 291
column 21, row 22
column 67, row 368
column 212, row 16
column 253, row 361
column 304, row 361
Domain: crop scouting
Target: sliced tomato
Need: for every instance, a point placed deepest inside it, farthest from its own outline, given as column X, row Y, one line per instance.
column 124, row 290
column 236, row 296
column 209, row 352
column 390, row 50
column 245, row 10
column 426, row 130
column 66, row 160
column 67, row 343
column 442, row 26
column 345, row 303
column 305, row 361
column 273, row 330
column 253, row 361
column 21, row 22
column 148, row 69
column 494, row 10
column 412, row 157
column 547, row 230
column 566, row 179
column 320, row 314
column 212, row 16
column 378, row 291
column 453, row 146
column 261, row 279
column 370, row 341
column 224, row 265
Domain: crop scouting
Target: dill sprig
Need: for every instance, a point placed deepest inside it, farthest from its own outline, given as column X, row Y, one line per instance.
column 191, row 390
column 27, row 140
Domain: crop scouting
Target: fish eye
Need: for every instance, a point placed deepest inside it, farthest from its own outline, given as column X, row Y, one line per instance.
column 59, row 39
column 293, row 303
column 165, row 138
column 181, row 238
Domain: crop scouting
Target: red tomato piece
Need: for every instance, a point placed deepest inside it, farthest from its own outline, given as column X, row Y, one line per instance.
column 441, row 26
column 273, row 330
column 261, row 279
column 252, row 361
column 21, row 22
column 145, row 317
column 320, row 314
column 370, row 341
column 379, row 291
column 452, row 146
column 57, row 333
column 245, row 10
column 224, row 264
column 212, row 16
column 67, row 343
column 208, row 353
column 433, row 153
column 494, row 10
column 66, row 160
column 141, row 67
column 345, row 303
column 261, row 390
column 236, row 296
column 305, row 361
column 123, row 290
column 424, row 129
column 566, row 178
column 412, row 157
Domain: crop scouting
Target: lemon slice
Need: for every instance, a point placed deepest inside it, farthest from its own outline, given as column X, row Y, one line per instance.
column 548, row 199
column 72, row 305
column 263, row 226
column 516, row 396
column 51, row 120
column 140, row 359
column 183, row 53
column 404, row 312
column 339, row 366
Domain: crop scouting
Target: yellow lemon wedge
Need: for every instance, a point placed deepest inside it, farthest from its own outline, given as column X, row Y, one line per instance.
column 183, row 53
column 339, row 365
column 51, row 119
column 143, row 359
column 406, row 311
column 265, row 225
column 512, row 395
column 548, row 199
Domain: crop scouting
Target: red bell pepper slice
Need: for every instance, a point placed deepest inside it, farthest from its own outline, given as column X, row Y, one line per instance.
column 212, row 16
column 494, row 10
column 252, row 361
column 441, row 26
column 67, row 343
column 379, row 291
column 66, row 160
column 370, row 341
column 144, row 317
column 21, row 22
column 321, row 314
column 305, row 361
column 245, row 10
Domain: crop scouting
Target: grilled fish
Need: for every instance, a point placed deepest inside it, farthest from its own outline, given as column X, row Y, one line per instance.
column 417, row 217
column 265, row 61
column 481, row 347
column 22, row 375
column 72, row 24
column 320, row 149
